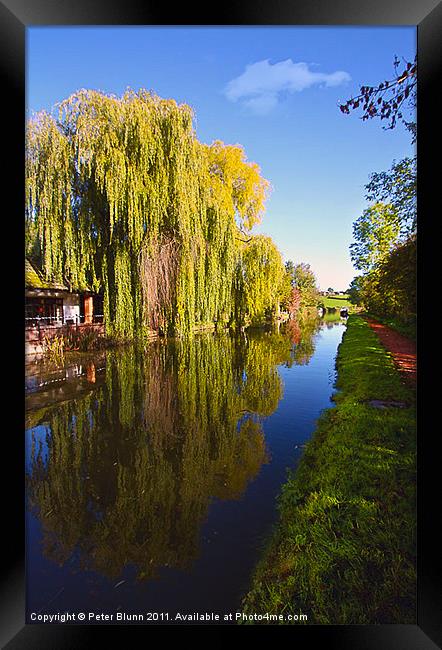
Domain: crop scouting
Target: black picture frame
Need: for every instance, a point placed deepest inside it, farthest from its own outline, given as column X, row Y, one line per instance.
column 15, row 17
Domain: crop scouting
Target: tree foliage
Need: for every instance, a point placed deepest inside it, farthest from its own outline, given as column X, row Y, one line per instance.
column 299, row 287
column 375, row 233
column 385, row 235
column 304, row 279
column 390, row 100
column 260, row 273
column 384, row 246
column 397, row 186
column 389, row 288
column 355, row 291
column 293, row 304
column 122, row 198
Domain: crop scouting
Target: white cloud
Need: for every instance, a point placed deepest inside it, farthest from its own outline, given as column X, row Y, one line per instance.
column 262, row 104
column 261, row 83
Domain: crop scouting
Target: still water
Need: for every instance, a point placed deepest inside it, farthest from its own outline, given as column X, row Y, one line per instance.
column 152, row 474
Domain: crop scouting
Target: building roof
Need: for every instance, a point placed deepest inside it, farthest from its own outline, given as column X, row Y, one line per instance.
column 34, row 280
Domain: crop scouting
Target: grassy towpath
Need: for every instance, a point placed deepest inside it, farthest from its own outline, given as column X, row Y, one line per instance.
column 343, row 550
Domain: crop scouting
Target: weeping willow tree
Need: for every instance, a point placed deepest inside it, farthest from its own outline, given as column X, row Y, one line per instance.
column 122, row 198
column 259, row 278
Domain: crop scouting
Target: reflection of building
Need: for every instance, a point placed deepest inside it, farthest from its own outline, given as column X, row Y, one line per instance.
column 50, row 305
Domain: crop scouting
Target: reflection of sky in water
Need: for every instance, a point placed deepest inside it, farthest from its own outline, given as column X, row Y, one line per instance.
column 37, row 436
column 130, row 486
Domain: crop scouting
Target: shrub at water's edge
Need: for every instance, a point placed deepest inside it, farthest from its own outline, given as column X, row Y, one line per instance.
column 343, row 551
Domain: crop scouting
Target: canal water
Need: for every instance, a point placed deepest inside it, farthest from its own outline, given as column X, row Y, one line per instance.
column 152, row 474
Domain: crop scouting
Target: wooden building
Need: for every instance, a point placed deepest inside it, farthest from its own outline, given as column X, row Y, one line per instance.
column 51, row 305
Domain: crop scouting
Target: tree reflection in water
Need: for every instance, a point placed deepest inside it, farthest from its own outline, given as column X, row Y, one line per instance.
column 125, row 474
column 301, row 332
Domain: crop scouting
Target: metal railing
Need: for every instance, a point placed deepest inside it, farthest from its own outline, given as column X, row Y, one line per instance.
column 59, row 321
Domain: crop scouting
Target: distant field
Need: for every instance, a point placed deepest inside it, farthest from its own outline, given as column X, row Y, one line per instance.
column 336, row 301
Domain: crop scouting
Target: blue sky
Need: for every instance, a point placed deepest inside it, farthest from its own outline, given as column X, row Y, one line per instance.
column 274, row 90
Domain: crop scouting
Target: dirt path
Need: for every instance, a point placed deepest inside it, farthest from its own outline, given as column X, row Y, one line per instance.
column 402, row 348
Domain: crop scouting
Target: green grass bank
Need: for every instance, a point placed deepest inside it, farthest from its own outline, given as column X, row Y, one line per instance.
column 338, row 302
column 343, row 551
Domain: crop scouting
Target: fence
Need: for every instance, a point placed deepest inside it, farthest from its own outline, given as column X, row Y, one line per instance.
column 36, row 332
column 59, row 321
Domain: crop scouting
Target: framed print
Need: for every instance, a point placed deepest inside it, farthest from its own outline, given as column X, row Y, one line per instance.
column 225, row 248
